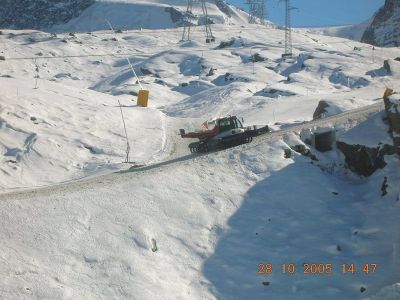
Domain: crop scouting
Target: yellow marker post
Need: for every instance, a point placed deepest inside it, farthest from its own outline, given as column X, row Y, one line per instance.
column 388, row 92
column 143, row 98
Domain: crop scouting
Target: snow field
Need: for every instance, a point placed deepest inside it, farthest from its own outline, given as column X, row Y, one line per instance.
column 185, row 227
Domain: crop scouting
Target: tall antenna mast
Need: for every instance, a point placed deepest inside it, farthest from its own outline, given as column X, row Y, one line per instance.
column 256, row 11
column 188, row 21
column 288, row 31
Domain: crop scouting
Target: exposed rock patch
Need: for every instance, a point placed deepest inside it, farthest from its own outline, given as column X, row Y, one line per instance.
column 39, row 14
column 364, row 160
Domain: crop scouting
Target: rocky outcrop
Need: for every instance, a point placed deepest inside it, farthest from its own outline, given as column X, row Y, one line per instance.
column 364, row 160
column 39, row 14
column 392, row 107
column 385, row 27
column 177, row 16
column 223, row 7
column 325, row 109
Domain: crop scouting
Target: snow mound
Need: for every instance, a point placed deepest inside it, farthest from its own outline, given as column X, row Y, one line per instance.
column 60, row 133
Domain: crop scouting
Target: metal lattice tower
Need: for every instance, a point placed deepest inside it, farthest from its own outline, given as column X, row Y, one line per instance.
column 256, row 11
column 288, row 30
column 189, row 17
column 188, row 21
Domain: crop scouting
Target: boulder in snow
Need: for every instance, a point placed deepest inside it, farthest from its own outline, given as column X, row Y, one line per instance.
column 326, row 109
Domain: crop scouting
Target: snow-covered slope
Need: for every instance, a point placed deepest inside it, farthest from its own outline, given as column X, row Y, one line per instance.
column 189, row 80
column 381, row 30
column 150, row 14
column 351, row 32
column 198, row 229
column 91, row 15
column 186, row 226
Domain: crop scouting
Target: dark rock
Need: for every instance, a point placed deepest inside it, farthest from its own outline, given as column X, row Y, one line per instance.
column 392, row 108
column 177, row 16
column 363, row 160
column 386, row 66
column 2, row 57
column 90, row 148
column 287, row 153
column 384, row 187
column 338, row 248
column 335, row 193
column 303, row 150
column 228, row 77
column 323, row 141
column 226, row 44
column 387, row 20
column 159, row 81
column 39, row 14
column 211, row 72
column 362, row 289
column 154, row 247
column 224, row 7
column 145, row 71
column 257, row 58
column 183, row 84
column 266, row 283
column 320, row 110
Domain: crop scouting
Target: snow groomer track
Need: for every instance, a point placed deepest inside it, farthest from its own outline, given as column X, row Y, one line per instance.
column 348, row 117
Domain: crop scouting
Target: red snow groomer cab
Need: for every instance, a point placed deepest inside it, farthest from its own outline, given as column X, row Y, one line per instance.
column 227, row 132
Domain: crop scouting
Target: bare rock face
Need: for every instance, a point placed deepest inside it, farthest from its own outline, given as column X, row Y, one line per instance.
column 364, row 160
column 385, row 27
column 39, row 14
column 392, row 107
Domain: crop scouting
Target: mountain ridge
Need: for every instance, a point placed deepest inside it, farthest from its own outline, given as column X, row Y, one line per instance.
column 384, row 29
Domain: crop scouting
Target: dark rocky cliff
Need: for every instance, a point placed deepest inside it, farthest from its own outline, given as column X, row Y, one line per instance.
column 385, row 27
column 39, row 14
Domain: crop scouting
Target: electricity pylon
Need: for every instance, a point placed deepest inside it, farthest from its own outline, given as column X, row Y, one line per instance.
column 256, row 11
column 189, row 17
column 188, row 21
column 288, row 30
